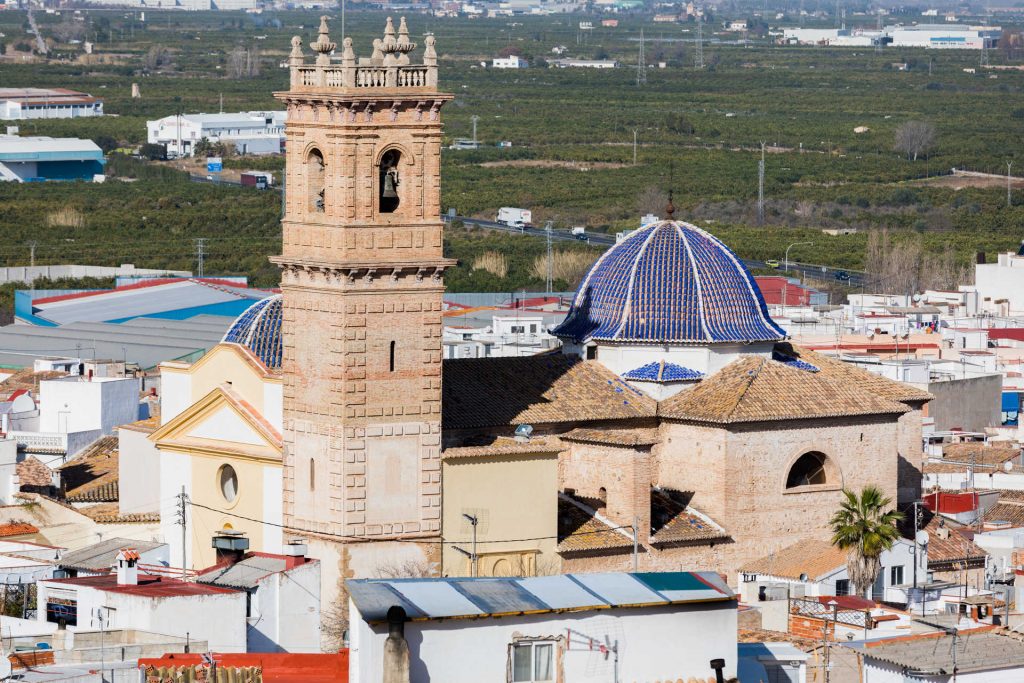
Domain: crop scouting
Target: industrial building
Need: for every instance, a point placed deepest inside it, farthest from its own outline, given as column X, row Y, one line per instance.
column 934, row 36
column 30, row 159
column 252, row 132
column 187, row 5
column 47, row 103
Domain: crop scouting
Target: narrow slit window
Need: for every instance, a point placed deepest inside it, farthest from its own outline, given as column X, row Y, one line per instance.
column 391, row 357
column 312, row 474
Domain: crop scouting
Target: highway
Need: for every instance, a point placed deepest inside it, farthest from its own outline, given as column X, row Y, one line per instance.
column 811, row 270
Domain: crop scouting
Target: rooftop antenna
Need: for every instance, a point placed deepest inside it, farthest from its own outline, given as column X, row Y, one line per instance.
column 698, row 56
column 670, row 208
column 641, row 63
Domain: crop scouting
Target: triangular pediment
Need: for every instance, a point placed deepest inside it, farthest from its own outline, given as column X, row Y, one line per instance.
column 220, row 421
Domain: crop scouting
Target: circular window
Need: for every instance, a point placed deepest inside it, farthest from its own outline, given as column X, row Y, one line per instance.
column 228, row 480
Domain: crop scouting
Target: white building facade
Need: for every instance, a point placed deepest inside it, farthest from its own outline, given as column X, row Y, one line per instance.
column 252, row 132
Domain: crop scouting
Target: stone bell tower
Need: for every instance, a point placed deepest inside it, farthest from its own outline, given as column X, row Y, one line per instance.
column 361, row 280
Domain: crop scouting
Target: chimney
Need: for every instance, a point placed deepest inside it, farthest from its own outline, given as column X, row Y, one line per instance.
column 295, row 550
column 127, row 567
column 396, row 649
column 230, row 545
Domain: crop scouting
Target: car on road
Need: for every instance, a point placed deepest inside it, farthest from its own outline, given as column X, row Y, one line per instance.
column 772, row 263
column 842, row 276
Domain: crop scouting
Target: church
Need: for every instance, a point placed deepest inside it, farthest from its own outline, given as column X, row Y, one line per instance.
column 676, row 426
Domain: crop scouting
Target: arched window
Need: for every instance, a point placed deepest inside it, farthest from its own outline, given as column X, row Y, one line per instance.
column 312, row 474
column 391, row 357
column 602, row 497
column 315, row 187
column 389, row 181
column 227, row 479
column 808, row 470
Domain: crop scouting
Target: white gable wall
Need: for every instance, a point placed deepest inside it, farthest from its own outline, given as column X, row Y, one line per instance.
column 655, row 643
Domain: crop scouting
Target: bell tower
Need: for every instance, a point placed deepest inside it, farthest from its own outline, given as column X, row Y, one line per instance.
column 362, row 269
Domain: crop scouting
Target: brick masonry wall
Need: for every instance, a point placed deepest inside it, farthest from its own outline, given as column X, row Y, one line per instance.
column 811, row 628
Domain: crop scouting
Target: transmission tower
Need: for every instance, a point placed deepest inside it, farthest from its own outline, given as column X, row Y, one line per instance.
column 641, row 63
column 984, row 51
column 698, row 56
column 200, row 254
column 760, row 188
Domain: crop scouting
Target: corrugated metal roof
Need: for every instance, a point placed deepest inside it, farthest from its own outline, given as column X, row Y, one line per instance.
column 102, row 556
column 246, row 573
column 145, row 341
column 505, row 596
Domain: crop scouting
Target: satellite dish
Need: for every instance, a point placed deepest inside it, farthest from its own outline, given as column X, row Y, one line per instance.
column 917, row 298
column 871, row 335
column 921, row 537
column 905, row 335
column 803, row 577
column 1008, row 466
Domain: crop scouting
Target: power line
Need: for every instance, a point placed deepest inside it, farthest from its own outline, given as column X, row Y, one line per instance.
column 406, row 540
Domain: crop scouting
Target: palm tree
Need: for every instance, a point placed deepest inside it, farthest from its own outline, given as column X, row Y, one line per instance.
column 864, row 527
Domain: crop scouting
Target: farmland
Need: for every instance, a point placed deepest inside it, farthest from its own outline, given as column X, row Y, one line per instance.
column 571, row 160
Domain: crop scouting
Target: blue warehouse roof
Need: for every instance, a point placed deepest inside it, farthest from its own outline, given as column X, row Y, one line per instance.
column 669, row 282
column 22, row 149
column 446, row 598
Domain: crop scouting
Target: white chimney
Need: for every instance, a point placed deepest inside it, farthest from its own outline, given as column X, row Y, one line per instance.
column 127, row 567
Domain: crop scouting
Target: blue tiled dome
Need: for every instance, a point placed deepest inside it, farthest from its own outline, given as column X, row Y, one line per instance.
column 669, row 282
column 259, row 328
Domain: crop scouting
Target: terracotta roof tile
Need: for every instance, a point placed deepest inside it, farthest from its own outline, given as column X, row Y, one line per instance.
column 955, row 547
column 673, row 520
column 17, row 529
column 28, row 379
column 110, row 513
column 505, row 446
column 755, row 389
column 815, row 558
column 615, row 437
column 542, row 389
column 850, row 374
column 580, row 529
column 92, row 476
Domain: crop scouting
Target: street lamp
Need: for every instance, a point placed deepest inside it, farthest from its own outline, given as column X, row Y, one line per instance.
column 785, row 285
column 795, row 244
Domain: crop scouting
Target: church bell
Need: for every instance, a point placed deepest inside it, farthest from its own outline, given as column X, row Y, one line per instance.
column 389, row 186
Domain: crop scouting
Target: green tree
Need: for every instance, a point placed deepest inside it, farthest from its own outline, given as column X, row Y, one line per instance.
column 864, row 527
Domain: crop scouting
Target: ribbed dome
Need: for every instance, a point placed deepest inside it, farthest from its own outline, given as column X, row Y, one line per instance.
column 259, row 328
column 669, row 282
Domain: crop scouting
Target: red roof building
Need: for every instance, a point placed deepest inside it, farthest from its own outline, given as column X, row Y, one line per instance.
column 778, row 291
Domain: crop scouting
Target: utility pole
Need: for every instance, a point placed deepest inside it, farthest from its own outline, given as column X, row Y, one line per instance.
column 474, row 118
column 32, row 254
column 200, row 253
column 641, row 63
column 473, row 520
column 550, row 278
column 1010, row 165
column 760, row 188
column 635, row 133
column 698, row 55
column 222, row 103
column 182, row 510
column 103, row 659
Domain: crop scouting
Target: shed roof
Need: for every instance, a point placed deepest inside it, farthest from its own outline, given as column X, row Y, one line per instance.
column 425, row 599
column 247, row 572
column 148, row 586
column 813, row 558
column 984, row 651
column 102, row 556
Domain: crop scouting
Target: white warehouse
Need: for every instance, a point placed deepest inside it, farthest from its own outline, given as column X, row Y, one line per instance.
column 951, row 36
column 252, row 132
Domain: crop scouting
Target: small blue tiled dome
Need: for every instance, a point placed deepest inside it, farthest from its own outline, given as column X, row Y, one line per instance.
column 259, row 329
column 669, row 282
column 663, row 372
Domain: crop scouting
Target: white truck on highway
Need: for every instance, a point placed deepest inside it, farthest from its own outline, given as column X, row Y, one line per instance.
column 580, row 233
column 513, row 217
